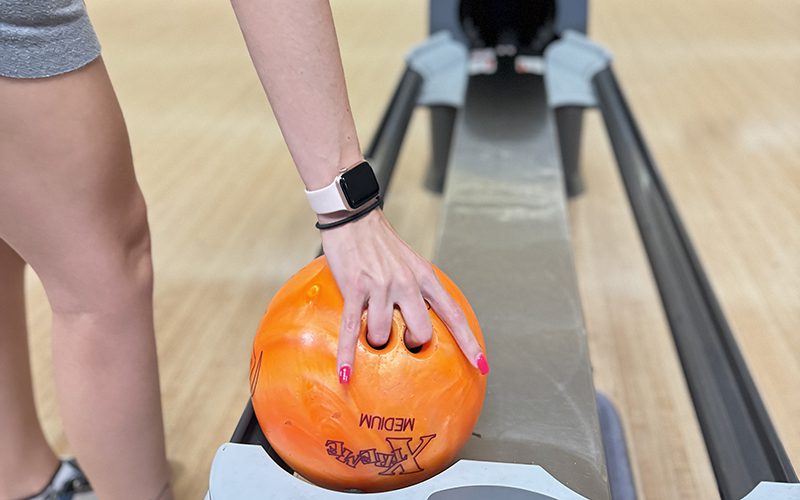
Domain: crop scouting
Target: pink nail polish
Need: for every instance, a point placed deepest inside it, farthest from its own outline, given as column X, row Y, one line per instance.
column 344, row 374
column 483, row 365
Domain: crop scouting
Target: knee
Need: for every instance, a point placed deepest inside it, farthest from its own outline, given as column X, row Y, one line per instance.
column 131, row 260
column 112, row 270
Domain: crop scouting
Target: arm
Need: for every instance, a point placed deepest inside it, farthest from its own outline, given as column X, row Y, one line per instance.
column 296, row 54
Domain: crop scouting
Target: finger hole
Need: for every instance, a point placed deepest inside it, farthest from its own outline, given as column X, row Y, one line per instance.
column 379, row 347
column 415, row 350
column 414, row 347
column 373, row 346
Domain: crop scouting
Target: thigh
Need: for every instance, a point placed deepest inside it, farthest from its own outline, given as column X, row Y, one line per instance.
column 69, row 201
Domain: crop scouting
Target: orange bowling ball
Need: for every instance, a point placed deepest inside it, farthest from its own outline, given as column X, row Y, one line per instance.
column 403, row 417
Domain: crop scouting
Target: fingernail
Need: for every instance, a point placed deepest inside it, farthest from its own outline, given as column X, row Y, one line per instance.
column 344, row 374
column 483, row 365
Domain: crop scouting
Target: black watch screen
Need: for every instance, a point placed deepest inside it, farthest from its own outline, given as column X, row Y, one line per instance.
column 359, row 185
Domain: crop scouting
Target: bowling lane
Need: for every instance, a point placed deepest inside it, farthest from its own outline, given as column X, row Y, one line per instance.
column 712, row 84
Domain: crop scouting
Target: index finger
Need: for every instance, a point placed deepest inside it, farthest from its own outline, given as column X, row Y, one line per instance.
column 348, row 336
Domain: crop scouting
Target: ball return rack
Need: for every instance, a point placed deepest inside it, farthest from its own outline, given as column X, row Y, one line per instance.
column 506, row 124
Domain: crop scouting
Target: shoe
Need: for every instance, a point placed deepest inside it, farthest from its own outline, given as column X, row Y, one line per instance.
column 67, row 483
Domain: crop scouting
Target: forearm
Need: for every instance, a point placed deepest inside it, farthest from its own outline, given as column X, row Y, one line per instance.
column 296, row 54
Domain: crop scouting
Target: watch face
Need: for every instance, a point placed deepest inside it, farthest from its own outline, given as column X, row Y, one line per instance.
column 359, row 185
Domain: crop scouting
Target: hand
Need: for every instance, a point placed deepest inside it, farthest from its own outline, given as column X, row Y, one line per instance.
column 376, row 269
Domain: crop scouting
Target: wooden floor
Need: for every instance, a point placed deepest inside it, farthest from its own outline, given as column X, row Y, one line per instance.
column 714, row 86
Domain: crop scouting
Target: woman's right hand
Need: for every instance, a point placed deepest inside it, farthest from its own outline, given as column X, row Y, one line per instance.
column 376, row 270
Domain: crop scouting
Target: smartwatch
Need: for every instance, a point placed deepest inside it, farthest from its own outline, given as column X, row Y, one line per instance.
column 351, row 190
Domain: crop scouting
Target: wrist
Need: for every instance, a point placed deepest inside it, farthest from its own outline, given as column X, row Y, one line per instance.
column 325, row 174
column 351, row 192
column 359, row 222
column 332, row 217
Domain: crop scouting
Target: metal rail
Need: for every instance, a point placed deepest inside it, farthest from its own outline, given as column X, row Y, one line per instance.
column 742, row 443
column 388, row 139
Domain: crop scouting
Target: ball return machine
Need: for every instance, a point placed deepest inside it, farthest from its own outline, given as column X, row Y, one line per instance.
column 507, row 82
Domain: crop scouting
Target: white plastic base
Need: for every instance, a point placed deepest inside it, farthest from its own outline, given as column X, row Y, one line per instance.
column 774, row 491
column 243, row 472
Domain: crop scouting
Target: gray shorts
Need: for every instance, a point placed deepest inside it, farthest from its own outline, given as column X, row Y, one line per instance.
column 40, row 38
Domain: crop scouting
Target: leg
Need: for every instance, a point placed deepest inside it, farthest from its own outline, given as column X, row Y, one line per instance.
column 26, row 460
column 71, row 207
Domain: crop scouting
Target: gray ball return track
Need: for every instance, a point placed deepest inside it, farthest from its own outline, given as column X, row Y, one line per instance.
column 506, row 132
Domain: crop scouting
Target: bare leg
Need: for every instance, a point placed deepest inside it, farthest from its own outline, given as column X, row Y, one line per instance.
column 26, row 460
column 71, row 207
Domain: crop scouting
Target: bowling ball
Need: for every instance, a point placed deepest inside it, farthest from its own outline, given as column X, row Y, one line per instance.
column 403, row 417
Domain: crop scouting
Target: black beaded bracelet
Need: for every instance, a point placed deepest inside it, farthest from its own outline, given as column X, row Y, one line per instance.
column 350, row 218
